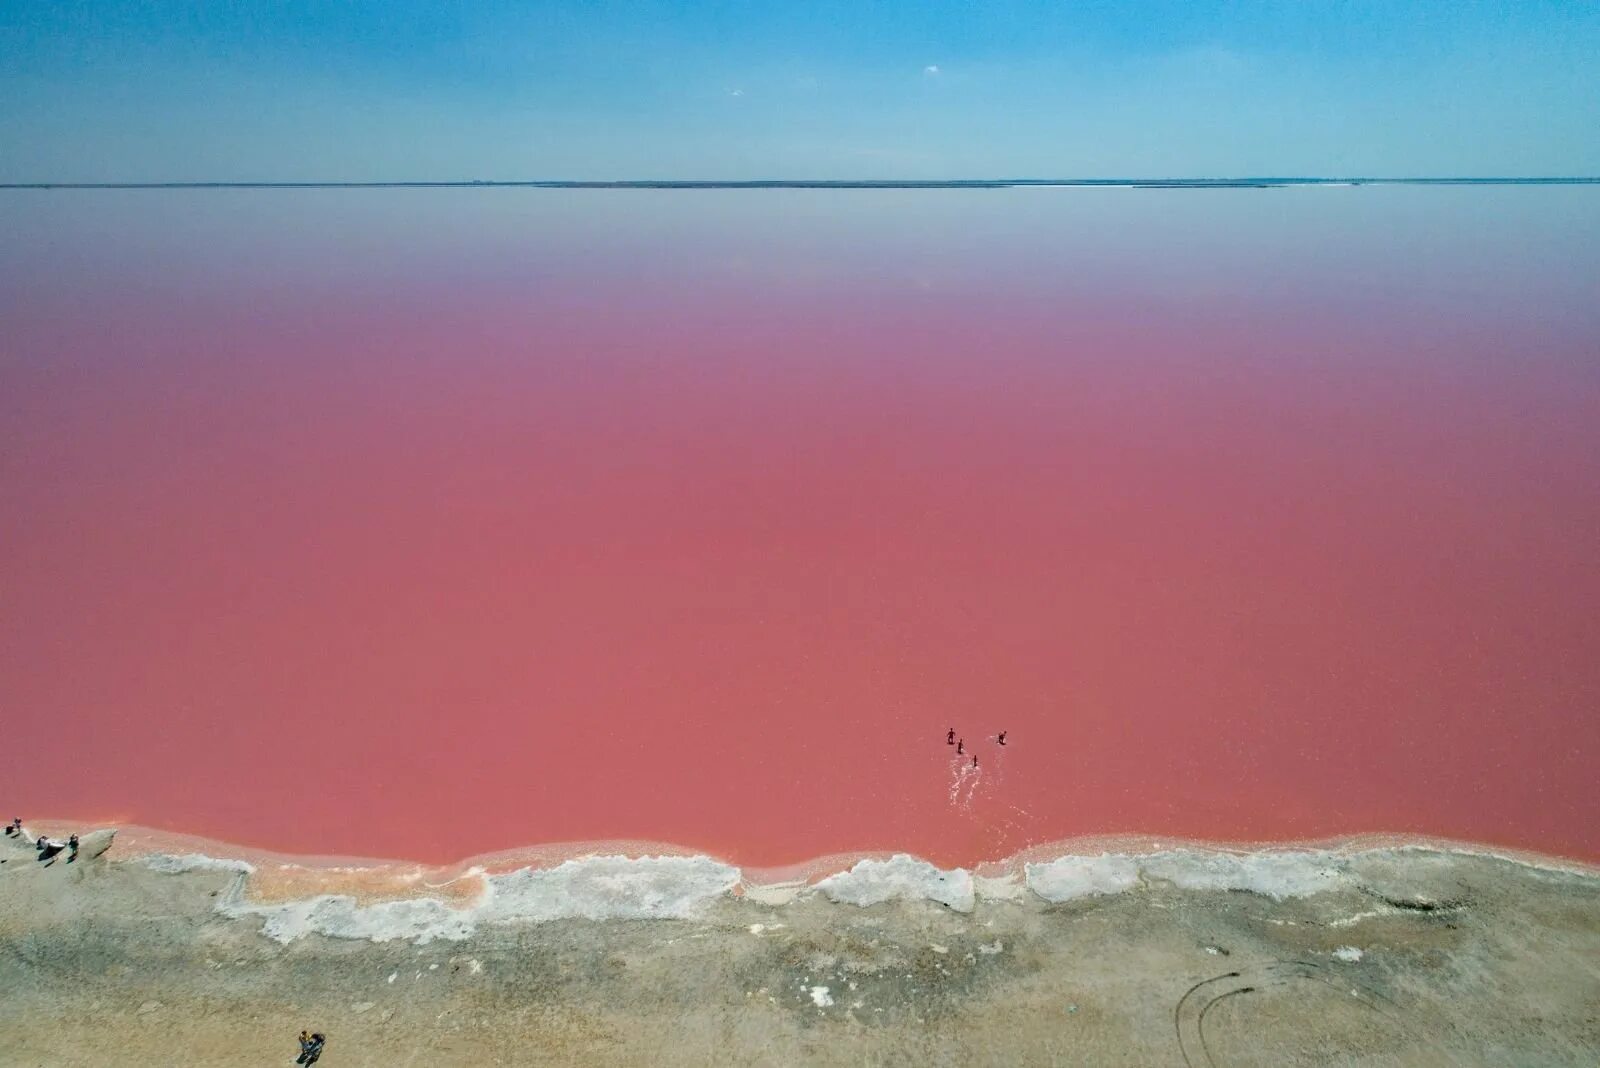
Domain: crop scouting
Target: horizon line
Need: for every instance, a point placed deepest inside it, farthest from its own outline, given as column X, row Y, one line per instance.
column 1260, row 182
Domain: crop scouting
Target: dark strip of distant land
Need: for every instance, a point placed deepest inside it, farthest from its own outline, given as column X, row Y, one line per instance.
column 787, row 183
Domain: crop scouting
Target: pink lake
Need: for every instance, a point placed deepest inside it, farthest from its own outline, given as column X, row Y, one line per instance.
column 423, row 524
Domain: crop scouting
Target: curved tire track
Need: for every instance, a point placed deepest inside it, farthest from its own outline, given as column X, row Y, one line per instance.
column 1189, row 1014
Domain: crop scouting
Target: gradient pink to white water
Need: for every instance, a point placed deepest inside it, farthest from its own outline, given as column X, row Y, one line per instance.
column 423, row 524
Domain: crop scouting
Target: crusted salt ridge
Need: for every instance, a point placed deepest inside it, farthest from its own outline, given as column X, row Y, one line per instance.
column 607, row 887
column 900, row 878
column 1277, row 875
column 1066, row 878
column 419, row 920
column 1273, row 873
column 594, row 888
column 177, row 864
column 599, row 888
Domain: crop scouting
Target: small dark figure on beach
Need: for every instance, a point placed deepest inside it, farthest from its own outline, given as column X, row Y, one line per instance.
column 310, row 1048
column 72, row 844
column 950, row 737
column 14, row 830
column 1002, row 737
column 974, row 759
column 961, row 747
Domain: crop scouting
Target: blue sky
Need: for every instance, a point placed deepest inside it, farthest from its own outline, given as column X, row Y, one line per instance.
column 164, row 90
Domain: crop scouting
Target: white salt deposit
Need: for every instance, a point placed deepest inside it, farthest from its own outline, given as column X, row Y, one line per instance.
column 775, row 893
column 1066, row 878
column 900, row 878
column 1277, row 875
column 177, row 864
column 1274, row 875
column 619, row 887
column 1001, row 888
column 601, row 888
column 419, row 920
column 1351, row 921
column 820, row 997
column 594, row 888
column 1348, row 954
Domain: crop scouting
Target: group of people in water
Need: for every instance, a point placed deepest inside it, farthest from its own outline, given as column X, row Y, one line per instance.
column 48, row 850
column 311, row 1044
column 961, row 743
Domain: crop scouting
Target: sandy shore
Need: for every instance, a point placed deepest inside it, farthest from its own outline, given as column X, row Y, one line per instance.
column 1411, row 958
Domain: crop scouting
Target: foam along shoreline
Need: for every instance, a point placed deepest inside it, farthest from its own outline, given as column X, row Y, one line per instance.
column 384, row 902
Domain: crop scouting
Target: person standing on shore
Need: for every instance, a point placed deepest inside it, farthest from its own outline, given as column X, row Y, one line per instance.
column 310, row 1047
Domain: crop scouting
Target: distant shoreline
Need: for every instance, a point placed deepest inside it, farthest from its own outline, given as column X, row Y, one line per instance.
column 1264, row 182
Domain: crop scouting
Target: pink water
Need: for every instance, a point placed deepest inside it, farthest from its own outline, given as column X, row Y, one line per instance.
column 421, row 525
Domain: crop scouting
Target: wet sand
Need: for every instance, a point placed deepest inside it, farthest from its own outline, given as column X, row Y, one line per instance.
column 1422, row 958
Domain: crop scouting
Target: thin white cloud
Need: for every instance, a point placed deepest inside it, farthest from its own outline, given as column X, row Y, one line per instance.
column 932, row 70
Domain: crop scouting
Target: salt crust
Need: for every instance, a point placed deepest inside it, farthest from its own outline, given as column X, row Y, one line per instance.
column 900, row 878
column 680, row 887
column 593, row 888
column 178, row 864
column 1277, row 875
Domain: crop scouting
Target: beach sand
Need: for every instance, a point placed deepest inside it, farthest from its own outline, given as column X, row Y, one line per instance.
column 1418, row 958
